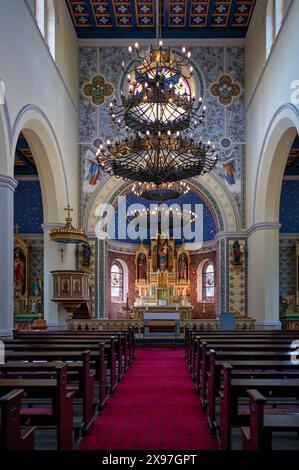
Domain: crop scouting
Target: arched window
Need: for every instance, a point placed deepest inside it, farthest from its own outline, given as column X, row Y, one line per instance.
column 276, row 10
column 51, row 26
column 46, row 20
column 117, row 282
column 208, row 282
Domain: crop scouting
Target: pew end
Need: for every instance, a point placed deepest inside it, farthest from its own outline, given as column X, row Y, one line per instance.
column 12, row 437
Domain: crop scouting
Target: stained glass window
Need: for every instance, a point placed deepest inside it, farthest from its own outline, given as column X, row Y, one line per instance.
column 116, row 282
column 208, row 281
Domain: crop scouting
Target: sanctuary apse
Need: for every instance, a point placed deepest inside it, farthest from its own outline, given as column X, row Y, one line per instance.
column 162, row 278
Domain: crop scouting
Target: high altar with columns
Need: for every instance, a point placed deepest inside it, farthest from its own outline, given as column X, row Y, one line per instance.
column 162, row 279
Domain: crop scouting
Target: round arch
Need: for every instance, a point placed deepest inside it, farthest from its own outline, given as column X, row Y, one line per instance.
column 279, row 137
column 42, row 140
column 209, row 187
column 4, row 141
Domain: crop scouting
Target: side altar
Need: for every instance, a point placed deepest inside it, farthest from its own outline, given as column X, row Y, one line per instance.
column 162, row 279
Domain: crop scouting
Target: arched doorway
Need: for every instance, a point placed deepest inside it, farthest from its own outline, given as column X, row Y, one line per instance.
column 48, row 183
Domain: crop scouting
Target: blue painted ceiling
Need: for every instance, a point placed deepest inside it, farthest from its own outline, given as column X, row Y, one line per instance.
column 178, row 18
column 24, row 161
column 192, row 199
column 292, row 166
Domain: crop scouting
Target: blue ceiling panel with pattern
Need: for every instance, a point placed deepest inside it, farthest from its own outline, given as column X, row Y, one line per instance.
column 178, row 18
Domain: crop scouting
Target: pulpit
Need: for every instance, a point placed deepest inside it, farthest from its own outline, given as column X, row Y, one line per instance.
column 71, row 290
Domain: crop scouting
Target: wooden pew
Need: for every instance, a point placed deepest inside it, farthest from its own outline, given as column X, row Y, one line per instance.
column 109, row 350
column 128, row 333
column 258, row 435
column 234, row 388
column 59, row 415
column 97, row 361
column 235, row 351
column 121, row 344
column 251, row 368
column 235, row 343
column 11, row 435
column 232, row 336
column 80, row 380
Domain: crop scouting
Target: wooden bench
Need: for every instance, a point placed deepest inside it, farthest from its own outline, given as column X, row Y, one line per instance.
column 192, row 334
column 96, row 350
column 235, row 344
column 128, row 334
column 79, row 375
column 58, row 415
column 240, row 351
column 11, row 435
column 258, row 435
column 97, row 362
column 120, row 342
column 234, row 388
column 248, row 368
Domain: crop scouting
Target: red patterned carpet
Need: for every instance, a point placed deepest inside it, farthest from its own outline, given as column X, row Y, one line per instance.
column 154, row 407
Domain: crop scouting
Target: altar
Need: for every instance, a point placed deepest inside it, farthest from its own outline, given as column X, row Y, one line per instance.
column 162, row 279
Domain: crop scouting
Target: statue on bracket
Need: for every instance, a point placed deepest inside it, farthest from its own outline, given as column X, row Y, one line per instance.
column 183, row 263
column 183, row 267
column 237, row 253
column 163, row 253
column 141, row 266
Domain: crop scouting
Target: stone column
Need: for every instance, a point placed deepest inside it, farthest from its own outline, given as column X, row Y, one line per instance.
column 7, row 188
column 263, row 275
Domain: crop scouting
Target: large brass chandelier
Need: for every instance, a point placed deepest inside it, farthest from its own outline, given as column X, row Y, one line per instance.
column 159, row 113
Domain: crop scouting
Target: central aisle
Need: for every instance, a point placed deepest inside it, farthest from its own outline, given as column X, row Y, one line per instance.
column 154, row 407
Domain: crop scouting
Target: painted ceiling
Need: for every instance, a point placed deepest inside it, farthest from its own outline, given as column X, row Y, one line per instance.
column 292, row 166
column 24, row 161
column 178, row 18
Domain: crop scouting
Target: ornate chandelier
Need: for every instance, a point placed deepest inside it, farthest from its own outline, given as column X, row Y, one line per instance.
column 158, row 96
column 159, row 113
column 161, row 192
column 157, row 158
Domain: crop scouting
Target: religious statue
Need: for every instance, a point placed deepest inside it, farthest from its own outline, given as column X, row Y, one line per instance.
column 141, row 266
column 183, row 267
column 20, row 272
column 36, row 289
column 163, row 251
column 86, row 254
column 236, row 249
column 154, row 256
column 65, row 287
column 77, row 287
column 33, row 308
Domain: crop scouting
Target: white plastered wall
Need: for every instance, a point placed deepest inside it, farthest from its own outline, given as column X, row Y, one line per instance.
column 40, row 101
column 272, row 124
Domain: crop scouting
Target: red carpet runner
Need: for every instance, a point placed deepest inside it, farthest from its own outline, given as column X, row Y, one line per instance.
column 154, row 407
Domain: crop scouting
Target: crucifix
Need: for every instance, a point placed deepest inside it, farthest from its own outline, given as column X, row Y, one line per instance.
column 69, row 210
column 61, row 253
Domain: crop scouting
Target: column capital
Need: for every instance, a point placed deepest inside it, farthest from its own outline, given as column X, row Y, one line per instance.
column 8, row 182
column 261, row 226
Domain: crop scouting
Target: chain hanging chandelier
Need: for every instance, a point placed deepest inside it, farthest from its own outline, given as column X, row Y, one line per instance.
column 159, row 113
column 162, row 192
